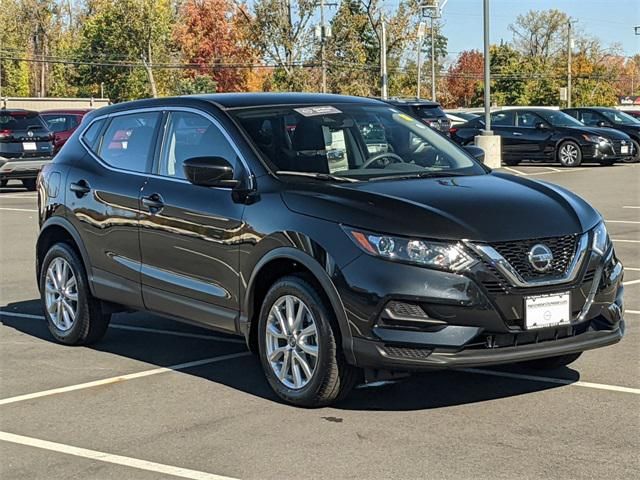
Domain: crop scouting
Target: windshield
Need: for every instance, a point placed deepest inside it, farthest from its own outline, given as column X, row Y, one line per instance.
column 620, row 118
column 360, row 142
column 559, row 119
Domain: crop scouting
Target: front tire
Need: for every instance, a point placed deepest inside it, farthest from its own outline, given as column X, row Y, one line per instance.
column 636, row 153
column 74, row 316
column 299, row 348
column 552, row 363
column 569, row 154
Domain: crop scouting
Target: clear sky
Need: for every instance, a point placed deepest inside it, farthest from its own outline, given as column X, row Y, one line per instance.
column 611, row 21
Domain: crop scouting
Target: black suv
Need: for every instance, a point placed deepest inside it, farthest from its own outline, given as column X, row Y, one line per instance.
column 541, row 134
column 225, row 210
column 611, row 118
column 26, row 144
column 430, row 113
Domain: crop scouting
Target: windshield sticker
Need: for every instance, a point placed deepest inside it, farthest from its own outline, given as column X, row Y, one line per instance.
column 315, row 111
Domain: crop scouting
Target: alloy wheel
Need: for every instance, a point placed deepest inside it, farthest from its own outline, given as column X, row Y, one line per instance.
column 61, row 294
column 569, row 154
column 292, row 342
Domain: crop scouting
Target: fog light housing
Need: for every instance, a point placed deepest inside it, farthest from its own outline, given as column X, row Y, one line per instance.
column 405, row 314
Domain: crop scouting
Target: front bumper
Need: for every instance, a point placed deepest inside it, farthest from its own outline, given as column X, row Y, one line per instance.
column 475, row 323
column 606, row 151
column 19, row 168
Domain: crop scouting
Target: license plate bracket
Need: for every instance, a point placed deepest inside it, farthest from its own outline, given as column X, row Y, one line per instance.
column 549, row 310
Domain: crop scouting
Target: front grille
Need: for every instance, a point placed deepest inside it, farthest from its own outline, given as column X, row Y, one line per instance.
column 405, row 352
column 517, row 253
column 617, row 146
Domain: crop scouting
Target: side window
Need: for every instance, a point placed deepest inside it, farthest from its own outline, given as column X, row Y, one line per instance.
column 92, row 135
column 56, row 123
column 189, row 135
column 128, row 141
column 590, row 118
column 528, row 119
column 503, row 119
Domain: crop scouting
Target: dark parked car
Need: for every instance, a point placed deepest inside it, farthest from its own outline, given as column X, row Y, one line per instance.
column 541, row 134
column 430, row 113
column 611, row 118
column 412, row 258
column 63, row 123
column 25, row 146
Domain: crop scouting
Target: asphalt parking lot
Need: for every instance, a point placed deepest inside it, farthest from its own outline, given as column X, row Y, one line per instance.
column 160, row 400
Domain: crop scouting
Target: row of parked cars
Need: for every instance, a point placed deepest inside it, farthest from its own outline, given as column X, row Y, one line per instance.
column 570, row 136
column 29, row 139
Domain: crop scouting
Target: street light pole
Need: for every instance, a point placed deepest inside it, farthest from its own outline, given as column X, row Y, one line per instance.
column 420, row 43
column 383, row 59
column 322, row 48
column 433, row 63
column 569, row 52
column 487, row 75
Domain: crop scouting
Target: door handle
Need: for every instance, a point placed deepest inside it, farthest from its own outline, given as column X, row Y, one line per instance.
column 153, row 202
column 80, row 188
column 517, row 134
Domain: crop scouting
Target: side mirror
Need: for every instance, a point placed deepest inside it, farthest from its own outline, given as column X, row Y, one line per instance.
column 475, row 152
column 209, row 172
column 541, row 126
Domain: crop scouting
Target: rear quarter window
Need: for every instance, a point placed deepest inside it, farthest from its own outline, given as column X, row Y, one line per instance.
column 91, row 135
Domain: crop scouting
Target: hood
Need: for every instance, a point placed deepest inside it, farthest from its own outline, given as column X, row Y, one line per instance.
column 602, row 132
column 486, row 208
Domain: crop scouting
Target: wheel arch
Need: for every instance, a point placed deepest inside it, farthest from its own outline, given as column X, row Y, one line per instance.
column 55, row 230
column 280, row 262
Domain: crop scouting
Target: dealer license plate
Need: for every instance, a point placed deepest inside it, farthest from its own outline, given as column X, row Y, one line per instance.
column 624, row 149
column 547, row 310
column 29, row 146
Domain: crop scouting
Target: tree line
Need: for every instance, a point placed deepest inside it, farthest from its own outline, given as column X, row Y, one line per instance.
column 128, row 49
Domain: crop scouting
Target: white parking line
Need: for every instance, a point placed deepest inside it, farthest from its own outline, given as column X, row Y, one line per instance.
column 633, row 312
column 630, row 282
column 632, row 222
column 631, row 206
column 175, row 333
column 622, row 240
column 110, row 458
column 2, row 197
column 18, row 209
column 560, row 381
column 122, row 378
column 632, row 269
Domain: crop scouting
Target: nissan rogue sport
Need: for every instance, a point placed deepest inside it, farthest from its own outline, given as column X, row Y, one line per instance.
column 225, row 210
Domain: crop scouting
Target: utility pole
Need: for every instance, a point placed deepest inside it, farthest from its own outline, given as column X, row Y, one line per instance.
column 383, row 60
column 322, row 41
column 569, row 51
column 420, row 43
column 433, row 62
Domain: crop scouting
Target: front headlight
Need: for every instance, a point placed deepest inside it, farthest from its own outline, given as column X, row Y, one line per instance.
column 600, row 239
column 596, row 139
column 440, row 255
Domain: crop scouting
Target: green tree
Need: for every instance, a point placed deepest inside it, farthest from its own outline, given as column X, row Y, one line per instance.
column 123, row 40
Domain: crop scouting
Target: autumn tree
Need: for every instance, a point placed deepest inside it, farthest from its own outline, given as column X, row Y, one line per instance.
column 464, row 78
column 208, row 34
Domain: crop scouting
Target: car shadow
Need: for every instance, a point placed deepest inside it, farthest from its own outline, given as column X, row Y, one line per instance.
column 433, row 390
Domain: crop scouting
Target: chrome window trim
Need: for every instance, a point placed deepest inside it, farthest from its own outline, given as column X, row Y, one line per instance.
column 161, row 110
column 491, row 255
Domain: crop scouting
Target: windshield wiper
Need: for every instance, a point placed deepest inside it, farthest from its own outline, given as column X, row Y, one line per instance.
column 317, row 175
column 420, row 175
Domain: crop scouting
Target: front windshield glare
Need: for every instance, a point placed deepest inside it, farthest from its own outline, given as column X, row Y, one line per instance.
column 620, row 118
column 560, row 119
column 356, row 141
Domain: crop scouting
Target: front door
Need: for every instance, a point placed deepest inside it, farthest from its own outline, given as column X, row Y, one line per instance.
column 529, row 141
column 190, row 235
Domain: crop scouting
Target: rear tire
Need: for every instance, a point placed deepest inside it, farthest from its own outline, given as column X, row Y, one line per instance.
column 569, row 154
column 326, row 376
column 29, row 184
column 74, row 316
column 511, row 163
column 551, row 363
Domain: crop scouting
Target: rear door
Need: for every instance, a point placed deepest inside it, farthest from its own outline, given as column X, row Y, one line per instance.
column 190, row 236
column 104, row 190
column 504, row 124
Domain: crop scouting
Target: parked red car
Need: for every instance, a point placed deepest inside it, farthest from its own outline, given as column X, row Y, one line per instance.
column 63, row 123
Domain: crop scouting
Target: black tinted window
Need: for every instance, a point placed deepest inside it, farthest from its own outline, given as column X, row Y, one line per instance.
column 20, row 121
column 591, row 118
column 503, row 119
column 128, row 141
column 427, row 111
column 189, row 135
column 92, row 134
